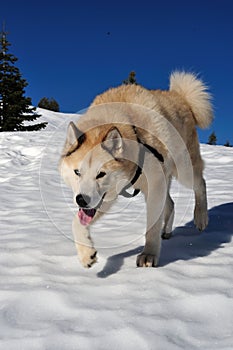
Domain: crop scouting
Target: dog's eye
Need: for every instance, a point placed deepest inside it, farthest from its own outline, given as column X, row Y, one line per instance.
column 101, row 174
column 77, row 172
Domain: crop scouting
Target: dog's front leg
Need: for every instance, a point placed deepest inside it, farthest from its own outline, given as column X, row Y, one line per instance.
column 151, row 252
column 84, row 244
column 155, row 202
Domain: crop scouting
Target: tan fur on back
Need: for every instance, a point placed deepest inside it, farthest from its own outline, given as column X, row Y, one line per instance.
column 184, row 106
column 186, row 92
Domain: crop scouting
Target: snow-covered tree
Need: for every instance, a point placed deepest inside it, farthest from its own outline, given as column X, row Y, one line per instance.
column 15, row 108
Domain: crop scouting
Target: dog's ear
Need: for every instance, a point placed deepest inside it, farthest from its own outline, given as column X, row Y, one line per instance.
column 113, row 142
column 73, row 134
column 74, row 139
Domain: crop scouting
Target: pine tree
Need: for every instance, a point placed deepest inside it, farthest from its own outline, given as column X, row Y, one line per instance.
column 227, row 144
column 49, row 103
column 212, row 139
column 54, row 106
column 131, row 79
column 15, row 108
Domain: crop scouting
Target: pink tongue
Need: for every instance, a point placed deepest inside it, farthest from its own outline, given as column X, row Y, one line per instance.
column 84, row 218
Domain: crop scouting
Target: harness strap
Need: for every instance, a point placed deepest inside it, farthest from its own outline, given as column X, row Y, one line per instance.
column 141, row 158
column 138, row 173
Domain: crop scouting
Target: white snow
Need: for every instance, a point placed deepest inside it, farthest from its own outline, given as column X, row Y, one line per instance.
column 49, row 301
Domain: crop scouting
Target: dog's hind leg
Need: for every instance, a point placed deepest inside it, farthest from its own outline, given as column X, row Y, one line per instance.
column 200, row 211
column 168, row 217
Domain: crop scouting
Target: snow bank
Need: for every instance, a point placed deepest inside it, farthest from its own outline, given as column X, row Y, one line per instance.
column 48, row 301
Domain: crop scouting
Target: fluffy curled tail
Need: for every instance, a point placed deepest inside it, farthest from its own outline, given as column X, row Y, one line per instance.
column 195, row 93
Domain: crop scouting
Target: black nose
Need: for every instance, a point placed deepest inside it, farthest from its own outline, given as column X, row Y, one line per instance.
column 83, row 201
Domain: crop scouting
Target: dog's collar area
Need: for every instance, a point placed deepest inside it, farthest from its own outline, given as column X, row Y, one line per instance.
column 143, row 148
column 138, row 173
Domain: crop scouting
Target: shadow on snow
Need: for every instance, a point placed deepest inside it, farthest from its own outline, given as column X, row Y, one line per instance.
column 186, row 242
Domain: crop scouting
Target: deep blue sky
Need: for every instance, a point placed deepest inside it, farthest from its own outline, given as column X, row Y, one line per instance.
column 72, row 50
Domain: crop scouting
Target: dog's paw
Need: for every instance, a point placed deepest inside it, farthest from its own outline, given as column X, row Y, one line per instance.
column 146, row 260
column 87, row 256
column 166, row 235
column 200, row 219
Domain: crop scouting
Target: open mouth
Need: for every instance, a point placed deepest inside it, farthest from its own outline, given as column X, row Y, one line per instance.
column 86, row 215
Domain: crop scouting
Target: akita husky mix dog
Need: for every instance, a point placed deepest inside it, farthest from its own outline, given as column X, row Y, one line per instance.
column 131, row 136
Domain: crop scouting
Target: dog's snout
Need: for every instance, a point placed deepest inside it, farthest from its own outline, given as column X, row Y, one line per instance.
column 83, row 200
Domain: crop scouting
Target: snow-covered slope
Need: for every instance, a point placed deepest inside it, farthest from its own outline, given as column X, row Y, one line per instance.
column 48, row 301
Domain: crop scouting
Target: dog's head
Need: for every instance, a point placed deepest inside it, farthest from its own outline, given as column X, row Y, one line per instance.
column 97, row 163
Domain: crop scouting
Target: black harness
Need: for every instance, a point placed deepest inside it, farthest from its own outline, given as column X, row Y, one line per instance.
column 143, row 148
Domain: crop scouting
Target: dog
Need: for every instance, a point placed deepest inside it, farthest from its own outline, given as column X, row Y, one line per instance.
column 134, row 137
